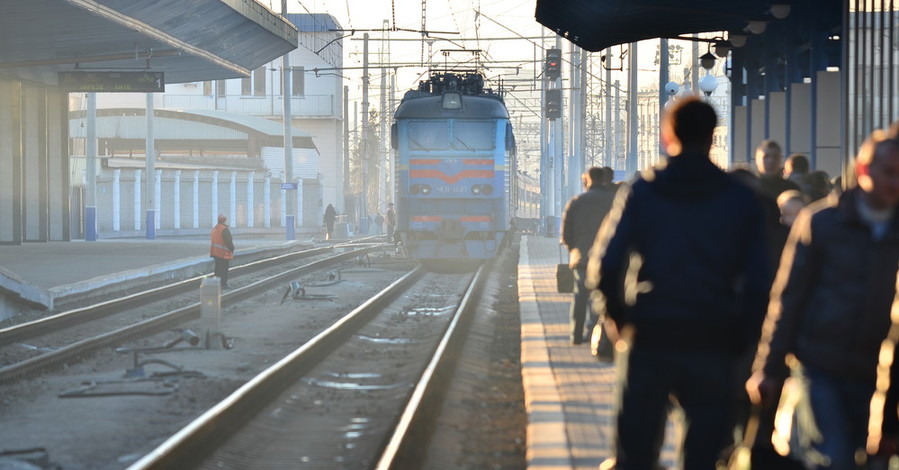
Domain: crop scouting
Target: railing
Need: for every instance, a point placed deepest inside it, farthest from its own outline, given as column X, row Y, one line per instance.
column 301, row 106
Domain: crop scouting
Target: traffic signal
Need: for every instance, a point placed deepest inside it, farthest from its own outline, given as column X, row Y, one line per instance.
column 553, row 103
column 553, row 67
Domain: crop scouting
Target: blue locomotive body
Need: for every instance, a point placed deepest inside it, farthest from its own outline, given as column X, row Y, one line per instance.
column 454, row 158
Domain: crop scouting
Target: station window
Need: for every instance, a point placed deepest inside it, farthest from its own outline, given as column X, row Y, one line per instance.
column 220, row 89
column 259, row 81
column 297, row 81
column 207, row 88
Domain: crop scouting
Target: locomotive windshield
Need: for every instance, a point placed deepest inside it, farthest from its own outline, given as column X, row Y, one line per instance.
column 455, row 135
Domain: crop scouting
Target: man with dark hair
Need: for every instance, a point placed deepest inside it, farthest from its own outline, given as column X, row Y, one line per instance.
column 580, row 222
column 830, row 306
column 680, row 265
column 769, row 164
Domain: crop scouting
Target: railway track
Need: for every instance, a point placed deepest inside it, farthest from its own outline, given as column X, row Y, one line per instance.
column 65, row 337
column 357, row 395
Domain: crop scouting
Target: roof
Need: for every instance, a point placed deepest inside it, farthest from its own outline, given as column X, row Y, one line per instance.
column 597, row 24
column 188, row 41
column 130, row 123
column 313, row 23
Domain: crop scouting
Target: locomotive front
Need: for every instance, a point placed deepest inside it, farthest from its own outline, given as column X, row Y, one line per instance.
column 454, row 149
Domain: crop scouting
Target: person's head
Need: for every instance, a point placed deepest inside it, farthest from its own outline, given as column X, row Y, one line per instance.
column 222, row 218
column 593, row 177
column 688, row 127
column 790, row 203
column 768, row 158
column 877, row 170
column 796, row 163
column 608, row 175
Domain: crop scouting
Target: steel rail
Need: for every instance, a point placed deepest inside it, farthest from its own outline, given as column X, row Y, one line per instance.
column 403, row 448
column 189, row 446
column 99, row 310
column 164, row 321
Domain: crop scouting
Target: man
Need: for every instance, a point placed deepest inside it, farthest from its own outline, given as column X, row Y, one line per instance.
column 681, row 266
column 769, row 164
column 580, row 222
column 391, row 222
column 830, row 305
column 221, row 249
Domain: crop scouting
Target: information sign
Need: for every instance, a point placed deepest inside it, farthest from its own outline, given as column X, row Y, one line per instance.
column 112, row 82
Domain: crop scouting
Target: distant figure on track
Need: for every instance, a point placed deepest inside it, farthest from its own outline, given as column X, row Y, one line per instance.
column 391, row 222
column 329, row 218
column 681, row 264
column 221, row 249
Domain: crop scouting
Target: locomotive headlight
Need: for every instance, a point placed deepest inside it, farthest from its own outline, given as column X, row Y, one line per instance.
column 425, row 189
column 452, row 100
column 488, row 189
column 414, row 189
column 476, row 189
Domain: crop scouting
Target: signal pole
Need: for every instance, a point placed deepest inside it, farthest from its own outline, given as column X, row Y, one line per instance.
column 286, row 93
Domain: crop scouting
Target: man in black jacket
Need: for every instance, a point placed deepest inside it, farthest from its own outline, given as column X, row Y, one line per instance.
column 830, row 305
column 580, row 222
column 681, row 265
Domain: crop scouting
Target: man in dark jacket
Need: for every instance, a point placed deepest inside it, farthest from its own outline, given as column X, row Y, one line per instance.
column 580, row 222
column 681, row 266
column 830, row 304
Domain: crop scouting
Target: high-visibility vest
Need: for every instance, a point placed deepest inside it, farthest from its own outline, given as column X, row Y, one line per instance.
column 218, row 248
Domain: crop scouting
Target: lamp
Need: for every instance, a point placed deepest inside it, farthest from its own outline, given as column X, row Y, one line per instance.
column 737, row 39
column 708, row 84
column 722, row 48
column 756, row 27
column 780, row 10
column 707, row 61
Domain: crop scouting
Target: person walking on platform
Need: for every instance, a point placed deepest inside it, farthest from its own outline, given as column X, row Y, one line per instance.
column 769, row 163
column 580, row 223
column 329, row 218
column 221, row 249
column 681, row 267
column 830, row 307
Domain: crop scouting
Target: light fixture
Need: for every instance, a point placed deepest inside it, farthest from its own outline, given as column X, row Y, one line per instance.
column 707, row 61
column 708, row 84
column 722, row 48
column 452, row 100
column 737, row 39
column 780, row 10
column 756, row 27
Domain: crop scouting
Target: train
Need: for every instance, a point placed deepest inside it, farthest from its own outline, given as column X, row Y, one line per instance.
column 455, row 168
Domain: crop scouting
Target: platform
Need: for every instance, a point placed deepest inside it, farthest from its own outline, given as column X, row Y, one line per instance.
column 41, row 274
column 569, row 395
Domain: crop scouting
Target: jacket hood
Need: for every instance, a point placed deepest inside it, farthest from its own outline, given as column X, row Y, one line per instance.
column 687, row 176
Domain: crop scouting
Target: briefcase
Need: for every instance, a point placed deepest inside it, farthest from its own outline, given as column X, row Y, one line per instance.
column 564, row 279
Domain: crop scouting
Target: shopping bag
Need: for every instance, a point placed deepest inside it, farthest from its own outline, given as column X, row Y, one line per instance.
column 564, row 279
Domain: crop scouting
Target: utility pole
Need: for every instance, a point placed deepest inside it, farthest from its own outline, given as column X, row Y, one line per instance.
column 384, row 146
column 346, row 144
column 150, row 186
column 575, row 167
column 365, row 150
column 663, row 80
column 288, row 183
column 632, row 97
column 90, row 196
column 609, row 125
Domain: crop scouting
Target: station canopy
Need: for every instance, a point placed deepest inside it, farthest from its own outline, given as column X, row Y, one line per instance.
column 187, row 40
column 597, row 24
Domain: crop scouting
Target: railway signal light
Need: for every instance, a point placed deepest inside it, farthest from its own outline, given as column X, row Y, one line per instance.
column 553, row 103
column 553, row 67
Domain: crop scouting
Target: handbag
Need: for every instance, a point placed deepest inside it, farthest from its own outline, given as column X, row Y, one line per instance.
column 564, row 276
column 564, row 279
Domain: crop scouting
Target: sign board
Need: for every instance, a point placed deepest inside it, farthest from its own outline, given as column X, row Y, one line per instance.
column 112, row 82
column 288, row 186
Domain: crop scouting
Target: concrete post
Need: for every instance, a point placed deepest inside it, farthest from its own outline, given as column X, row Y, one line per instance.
column 211, row 311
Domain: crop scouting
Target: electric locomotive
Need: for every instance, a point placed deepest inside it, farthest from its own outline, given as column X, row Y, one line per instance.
column 455, row 162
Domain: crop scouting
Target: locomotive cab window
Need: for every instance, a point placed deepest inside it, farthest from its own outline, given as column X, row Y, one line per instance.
column 428, row 135
column 474, row 135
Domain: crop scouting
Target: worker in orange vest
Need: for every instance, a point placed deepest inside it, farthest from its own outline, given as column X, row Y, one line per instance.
column 221, row 249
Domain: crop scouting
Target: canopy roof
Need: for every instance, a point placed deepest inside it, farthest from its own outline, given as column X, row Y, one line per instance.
column 597, row 24
column 188, row 41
